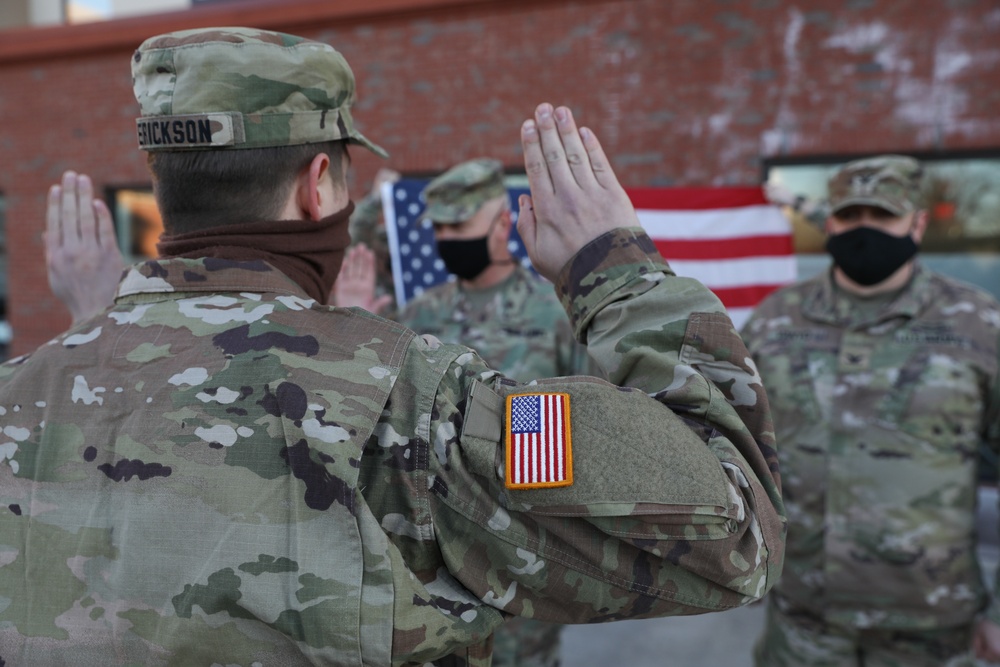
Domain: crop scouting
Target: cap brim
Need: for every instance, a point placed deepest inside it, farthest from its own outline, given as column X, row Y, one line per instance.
column 360, row 139
column 877, row 202
column 440, row 216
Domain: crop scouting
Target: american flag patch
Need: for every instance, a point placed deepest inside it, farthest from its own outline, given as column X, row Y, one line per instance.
column 539, row 451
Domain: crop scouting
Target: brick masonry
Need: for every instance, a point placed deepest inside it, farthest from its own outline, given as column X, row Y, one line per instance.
column 681, row 92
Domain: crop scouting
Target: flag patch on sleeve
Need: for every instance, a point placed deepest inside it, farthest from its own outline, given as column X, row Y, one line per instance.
column 538, row 441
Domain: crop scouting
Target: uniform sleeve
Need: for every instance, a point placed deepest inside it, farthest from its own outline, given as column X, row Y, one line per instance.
column 674, row 505
column 573, row 358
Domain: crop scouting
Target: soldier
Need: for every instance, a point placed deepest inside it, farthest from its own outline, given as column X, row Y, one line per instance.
column 883, row 377
column 220, row 469
column 495, row 305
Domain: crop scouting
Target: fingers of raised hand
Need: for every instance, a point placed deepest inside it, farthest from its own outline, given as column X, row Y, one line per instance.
column 85, row 210
column 599, row 165
column 366, row 263
column 348, row 268
column 576, row 154
column 553, row 150
column 534, row 162
column 69, row 212
column 53, row 228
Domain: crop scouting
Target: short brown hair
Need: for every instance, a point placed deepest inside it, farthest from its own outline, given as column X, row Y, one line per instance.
column 202, row 189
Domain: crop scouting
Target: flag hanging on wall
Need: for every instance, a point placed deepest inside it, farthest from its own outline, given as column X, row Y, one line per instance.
column 731, row 239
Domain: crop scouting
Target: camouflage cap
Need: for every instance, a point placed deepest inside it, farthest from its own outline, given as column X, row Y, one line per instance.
column 230, row 88
column 458, row 193
column 891, row 182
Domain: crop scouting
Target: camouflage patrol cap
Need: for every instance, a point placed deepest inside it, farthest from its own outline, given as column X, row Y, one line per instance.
column 891, row 182
column 458, row 193
column 231, row 88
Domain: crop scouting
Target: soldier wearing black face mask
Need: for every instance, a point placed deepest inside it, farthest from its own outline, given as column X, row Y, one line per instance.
column 884, row 382
column 505, row 313
column 875, row 224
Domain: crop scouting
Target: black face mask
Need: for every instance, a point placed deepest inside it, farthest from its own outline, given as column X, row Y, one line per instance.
column 868, row 256
column 466, row 258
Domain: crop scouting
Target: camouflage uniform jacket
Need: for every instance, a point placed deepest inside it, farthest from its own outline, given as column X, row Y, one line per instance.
column 219, row 470
column 521, row 330
column 879, row 424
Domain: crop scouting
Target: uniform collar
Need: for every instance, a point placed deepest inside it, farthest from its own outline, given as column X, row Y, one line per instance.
column 206, row 275
column 824, row 302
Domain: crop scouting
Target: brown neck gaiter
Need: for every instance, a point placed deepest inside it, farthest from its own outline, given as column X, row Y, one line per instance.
column 307, row 251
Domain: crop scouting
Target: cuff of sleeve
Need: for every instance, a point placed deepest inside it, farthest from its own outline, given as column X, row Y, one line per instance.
column 601, row 268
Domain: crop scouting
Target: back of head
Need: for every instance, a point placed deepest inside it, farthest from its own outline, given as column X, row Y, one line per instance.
column 457, row 194
column 230, row 114
column 890, row 182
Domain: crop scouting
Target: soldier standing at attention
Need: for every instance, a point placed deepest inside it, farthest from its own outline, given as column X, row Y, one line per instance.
column 220, row 469
column 495, row 305
column 883, row 378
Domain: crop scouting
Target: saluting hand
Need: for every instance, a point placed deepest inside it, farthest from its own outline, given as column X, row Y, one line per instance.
column 575, row 196
column 81, row 254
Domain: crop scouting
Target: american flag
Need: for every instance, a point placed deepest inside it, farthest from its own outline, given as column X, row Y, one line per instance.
column 731, row 239
column 539, row 450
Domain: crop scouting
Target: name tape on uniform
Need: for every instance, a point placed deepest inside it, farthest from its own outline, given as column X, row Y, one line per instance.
column 538, row 440
column 191, row 131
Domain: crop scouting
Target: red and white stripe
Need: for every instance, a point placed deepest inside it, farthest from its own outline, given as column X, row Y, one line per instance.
column 541, row 458
column 730, row 239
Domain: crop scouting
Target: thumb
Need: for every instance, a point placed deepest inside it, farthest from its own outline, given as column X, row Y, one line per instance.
column 527, row 225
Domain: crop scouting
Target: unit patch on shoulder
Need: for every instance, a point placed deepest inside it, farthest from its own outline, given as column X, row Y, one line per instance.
column 539, row 451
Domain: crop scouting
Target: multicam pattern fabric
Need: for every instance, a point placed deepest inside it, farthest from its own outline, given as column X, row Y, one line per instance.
column 457, row 194
column 262, row 88
column 526, row 642
column 219, row 470
column 880, row 422
column 795, row 638
column 518, row 326
column 520, row 329
column 891, row 182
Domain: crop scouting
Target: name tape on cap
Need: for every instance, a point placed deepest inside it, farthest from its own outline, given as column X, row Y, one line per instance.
column 191, row 131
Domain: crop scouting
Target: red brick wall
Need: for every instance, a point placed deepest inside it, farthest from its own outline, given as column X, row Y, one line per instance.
column 682, row 92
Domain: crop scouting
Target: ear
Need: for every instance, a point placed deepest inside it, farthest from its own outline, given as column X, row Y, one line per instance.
column 506, row 223
column 311, row 194
column 500, row 237
column 920, row 222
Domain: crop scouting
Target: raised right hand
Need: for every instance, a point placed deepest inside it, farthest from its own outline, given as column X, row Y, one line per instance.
column 575, row 196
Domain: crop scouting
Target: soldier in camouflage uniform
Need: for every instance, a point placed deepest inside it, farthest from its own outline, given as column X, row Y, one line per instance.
column 495, row 305
column 219, row 469
column 883, row 378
